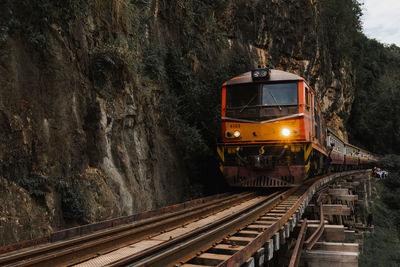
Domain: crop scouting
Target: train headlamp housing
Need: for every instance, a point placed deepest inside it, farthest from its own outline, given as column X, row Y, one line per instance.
column 234, row 134
column 260, row 74
column 286, row 132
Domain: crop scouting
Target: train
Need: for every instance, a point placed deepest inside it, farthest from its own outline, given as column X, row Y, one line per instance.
column 273, row 133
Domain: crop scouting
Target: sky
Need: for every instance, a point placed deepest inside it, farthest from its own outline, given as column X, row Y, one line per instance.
column 381, row 20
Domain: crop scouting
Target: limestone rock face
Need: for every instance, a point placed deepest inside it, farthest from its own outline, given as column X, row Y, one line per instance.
column 80, row 151
column 81, row 135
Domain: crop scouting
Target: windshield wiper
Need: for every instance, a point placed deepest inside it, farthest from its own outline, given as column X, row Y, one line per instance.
column 280, row 109
column 245, row 106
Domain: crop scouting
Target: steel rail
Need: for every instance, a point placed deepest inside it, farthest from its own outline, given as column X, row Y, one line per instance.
column 318, row 232
column 184, row 247
column 181, row 248
column 294, row 260
column 252, row 247
column 262, row 238
column 84, row 247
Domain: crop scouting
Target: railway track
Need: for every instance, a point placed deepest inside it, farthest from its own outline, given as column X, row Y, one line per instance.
column 224, row 232
column 64, row 252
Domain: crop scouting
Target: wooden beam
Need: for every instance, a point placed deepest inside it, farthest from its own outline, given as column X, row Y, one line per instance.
column 338, row 191
column 331, row 232
column 239, row 240
column 330, row 246
column 346, row 197
column 317, row 258
column 311, row 222
column 210, row 259
column 331, row 209
column 195, row 265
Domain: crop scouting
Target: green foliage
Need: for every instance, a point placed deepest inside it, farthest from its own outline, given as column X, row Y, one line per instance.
column 340, row 26
column 33, row 19
column 106, row 62
column 192, row 107
column 37, row 187
column 390, row 162
column 375, row 117
column 381, row 248
column 343, row 115
column 120, row 27
column 153, row 65
column 141, row 3
column 73, row 200
column 193, row 71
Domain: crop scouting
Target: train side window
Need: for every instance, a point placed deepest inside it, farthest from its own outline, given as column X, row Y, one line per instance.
column 307, row 98
column 315, row 103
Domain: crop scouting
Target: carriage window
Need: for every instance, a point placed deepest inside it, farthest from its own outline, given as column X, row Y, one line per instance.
column 242, row 95
column 275, row 94
column 307, row 97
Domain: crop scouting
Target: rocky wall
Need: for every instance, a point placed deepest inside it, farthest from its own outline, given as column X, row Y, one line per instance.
column 83, row 136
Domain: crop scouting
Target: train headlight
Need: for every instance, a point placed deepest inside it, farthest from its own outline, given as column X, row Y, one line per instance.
column 285, row 132
column 229, row 134
column 236, row 133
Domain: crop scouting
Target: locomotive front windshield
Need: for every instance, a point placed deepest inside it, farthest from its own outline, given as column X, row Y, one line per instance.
column 279, row 94
column 257, row 101
column 240, row 96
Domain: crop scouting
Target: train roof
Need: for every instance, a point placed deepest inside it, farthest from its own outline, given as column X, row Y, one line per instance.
column 345, row 143
column 275, row 75
column 334, row 134
column 353, row 146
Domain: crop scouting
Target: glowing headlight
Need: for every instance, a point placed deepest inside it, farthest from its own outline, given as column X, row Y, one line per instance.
column 236, row 133
column 285, row 132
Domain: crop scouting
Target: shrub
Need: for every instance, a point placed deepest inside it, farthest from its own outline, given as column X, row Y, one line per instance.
column 73, row 201
column 37, row 187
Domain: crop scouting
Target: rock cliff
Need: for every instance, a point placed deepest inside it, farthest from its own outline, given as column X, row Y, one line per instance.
column 104, row 105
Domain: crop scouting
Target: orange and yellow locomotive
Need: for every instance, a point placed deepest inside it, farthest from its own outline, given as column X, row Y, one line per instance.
column 273, row 131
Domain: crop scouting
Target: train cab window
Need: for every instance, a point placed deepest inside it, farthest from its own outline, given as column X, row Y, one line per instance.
column 242, row 96
column 307, row 95
column 279, row 94
column 261, row 102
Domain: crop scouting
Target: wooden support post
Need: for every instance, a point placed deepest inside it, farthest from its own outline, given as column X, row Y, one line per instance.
column 287, row 229
column 276, row 241
column 249, row 263
column 330, row 217
column 269, row 249
column 259, row 257
column 282, row 236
